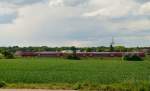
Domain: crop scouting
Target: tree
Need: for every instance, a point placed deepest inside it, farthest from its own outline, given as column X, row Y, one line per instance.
column 120, row 48
column 111, row 48
column 74, row 50
column 73, row 56
column 8, row 55
column 88, row 49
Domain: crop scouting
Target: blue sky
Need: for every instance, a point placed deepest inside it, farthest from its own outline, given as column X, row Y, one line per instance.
column 74, row 22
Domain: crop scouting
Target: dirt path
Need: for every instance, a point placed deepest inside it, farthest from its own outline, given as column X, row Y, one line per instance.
column 31, row 90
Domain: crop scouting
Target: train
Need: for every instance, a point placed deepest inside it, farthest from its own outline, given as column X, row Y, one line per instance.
column 80, row 54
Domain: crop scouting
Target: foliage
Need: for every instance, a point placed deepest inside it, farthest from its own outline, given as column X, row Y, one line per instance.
column 123, row 86
column 13, row 49
column 1, row 56
column 2, row 84
column 77, row 86
column 73, row 56
column 111, row 48
column 8, row 55
column 74, row 50
column 120, row 49
column 132, row 57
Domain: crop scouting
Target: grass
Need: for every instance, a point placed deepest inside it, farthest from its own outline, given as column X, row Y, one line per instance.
column 58, row 73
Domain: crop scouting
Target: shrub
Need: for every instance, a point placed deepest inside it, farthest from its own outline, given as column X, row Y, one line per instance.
column 2, row 84
column 132, row 57
column 8, row 55
column 77, row 86
column 73, row 57
column 1, row 56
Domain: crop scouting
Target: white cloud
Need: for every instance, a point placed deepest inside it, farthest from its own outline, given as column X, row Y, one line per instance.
column 138, row 25
column 110, row 9
column 145, row 9
column 56, row 3
column 7, row 13
column 75, row 22
column 72, row 3
column 22, row 2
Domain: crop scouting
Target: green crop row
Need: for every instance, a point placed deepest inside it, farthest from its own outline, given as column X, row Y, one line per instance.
column 58, row 70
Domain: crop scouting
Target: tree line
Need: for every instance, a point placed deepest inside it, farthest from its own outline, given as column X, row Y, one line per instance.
column 13, row 49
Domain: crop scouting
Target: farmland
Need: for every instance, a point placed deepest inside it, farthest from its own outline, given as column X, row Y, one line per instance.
column 69, row 72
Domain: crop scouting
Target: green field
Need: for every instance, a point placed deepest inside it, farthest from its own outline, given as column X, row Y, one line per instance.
column 62, row 71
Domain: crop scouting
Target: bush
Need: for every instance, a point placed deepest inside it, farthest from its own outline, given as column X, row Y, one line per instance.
column 132, row 57
column 77, row 86
column 8, row 55
column 1, row 56
column 2, row 84
column 72, row 57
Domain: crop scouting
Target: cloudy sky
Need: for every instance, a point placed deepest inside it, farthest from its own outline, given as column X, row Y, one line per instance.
column 74, row 22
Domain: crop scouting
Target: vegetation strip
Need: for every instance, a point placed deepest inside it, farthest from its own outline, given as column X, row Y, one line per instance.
column 88, row 73
column 31, row 90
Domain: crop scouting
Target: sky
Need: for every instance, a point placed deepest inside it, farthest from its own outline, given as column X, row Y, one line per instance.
column 74, row 22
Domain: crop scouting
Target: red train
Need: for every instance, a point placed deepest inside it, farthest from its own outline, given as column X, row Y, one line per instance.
column 39, row 54
column 80, row 54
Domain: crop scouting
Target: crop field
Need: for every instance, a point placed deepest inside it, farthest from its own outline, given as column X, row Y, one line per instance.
column 63, row 71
